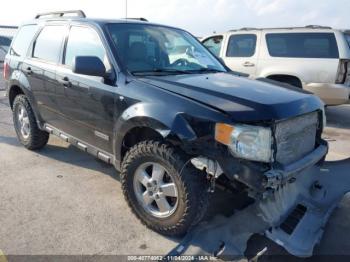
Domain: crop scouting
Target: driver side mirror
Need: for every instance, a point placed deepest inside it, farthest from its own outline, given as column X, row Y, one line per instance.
column 89, row 65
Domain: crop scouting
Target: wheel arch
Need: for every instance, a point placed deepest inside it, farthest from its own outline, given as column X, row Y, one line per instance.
column 14, row 91
column 286, row 78
column 16, row 88
column 135, row 128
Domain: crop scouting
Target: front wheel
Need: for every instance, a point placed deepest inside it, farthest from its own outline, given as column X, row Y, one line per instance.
column 163, row 189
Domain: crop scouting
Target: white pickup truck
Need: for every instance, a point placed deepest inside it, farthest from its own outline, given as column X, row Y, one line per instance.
column 314, row 58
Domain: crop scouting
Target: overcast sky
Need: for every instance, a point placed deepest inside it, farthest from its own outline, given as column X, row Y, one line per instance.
column 200, row 17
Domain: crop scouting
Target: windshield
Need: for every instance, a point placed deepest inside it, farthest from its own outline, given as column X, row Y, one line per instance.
column 151, row 49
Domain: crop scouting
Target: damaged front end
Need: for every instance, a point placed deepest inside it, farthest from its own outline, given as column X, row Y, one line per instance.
column 294, row 195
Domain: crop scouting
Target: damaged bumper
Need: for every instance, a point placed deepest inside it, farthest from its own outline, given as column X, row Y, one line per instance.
column 297, row 213
column 293, row 215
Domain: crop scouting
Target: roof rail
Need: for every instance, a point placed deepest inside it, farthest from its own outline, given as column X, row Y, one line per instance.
column 287, row 28
column 318, row 26
column 79, row 13
column 249, row 28
column 139, row 19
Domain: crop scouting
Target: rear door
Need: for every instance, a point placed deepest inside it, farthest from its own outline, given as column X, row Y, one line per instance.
column 40, row 67
column 312, row 56
column 241, row 52
column 86, row 102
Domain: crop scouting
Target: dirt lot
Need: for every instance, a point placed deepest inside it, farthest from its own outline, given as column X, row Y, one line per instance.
column 61, row 201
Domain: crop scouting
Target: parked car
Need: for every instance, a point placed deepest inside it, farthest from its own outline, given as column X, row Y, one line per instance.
column 4, row 46
column 173, row 127
column 313, row 58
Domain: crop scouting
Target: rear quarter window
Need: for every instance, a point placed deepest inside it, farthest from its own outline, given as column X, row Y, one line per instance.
column 302, row 45
column 347, row 37
column 22, row 40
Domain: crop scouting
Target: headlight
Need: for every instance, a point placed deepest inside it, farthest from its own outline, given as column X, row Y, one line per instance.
column 245, row 141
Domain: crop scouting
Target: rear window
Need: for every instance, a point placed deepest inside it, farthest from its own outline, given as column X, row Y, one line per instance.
column 49, row 42
column 22, row 40
column 302, row 45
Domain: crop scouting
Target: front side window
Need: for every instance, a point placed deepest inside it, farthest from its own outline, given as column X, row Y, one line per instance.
column 49, row 42
column 214, row 44
column 302, row 45
column 241, row 45
column 152, row 49
column 22, row 40
column 84, row 41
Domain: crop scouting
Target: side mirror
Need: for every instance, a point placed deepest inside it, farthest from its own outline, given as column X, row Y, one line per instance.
column 89, row 65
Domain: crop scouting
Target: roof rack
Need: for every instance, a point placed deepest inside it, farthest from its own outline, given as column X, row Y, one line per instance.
column 318, row 27
column 288, row 28
column 139, row 19
column 78, row 13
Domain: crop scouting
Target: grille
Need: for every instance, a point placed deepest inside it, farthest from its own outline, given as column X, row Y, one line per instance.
column 296, row 137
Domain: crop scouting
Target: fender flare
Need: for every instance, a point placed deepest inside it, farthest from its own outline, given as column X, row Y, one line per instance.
column 160, row 118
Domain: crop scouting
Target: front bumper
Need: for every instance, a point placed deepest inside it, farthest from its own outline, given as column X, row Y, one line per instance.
column 331, row 94
column 275, row 178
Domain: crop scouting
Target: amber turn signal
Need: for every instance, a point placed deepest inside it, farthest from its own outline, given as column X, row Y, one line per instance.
column 223, row 133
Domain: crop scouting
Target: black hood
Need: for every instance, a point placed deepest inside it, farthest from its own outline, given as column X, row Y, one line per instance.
column 243, row 99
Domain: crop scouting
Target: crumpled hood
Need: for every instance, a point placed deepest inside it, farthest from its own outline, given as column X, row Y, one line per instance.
column 243, row 99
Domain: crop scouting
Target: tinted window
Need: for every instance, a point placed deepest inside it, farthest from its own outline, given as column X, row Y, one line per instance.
column 48, row 44
column 241, row 45
column 84, row 41
column 23, row 39
column 306, row 45
column 348, row 39
column 214, row 44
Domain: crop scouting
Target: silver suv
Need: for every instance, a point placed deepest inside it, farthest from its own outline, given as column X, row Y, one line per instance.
column 314, row 58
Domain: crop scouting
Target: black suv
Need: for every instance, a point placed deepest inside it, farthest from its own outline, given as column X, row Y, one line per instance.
column 152, row 101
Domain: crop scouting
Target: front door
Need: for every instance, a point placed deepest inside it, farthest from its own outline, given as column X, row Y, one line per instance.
column 241, row 53
column 87, row 102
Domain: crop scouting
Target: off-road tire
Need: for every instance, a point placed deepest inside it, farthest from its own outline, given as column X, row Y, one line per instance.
column 37, row 138
column 191, row 184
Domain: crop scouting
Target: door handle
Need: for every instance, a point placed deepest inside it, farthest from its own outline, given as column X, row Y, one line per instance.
column 28, row 71
column 65, row 82
column 248, row 64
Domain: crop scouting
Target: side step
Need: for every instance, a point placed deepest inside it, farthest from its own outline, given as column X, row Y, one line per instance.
column 98, row 153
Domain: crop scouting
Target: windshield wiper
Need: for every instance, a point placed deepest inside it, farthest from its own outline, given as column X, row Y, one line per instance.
column 207, row 70
column 161, row 70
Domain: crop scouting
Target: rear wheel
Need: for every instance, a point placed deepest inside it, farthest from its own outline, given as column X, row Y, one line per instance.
column 163, row 190
column 26, row 126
